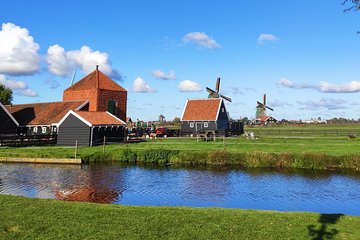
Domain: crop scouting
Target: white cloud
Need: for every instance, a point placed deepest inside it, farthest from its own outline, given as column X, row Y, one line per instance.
column 18, row 51
column 161, row 75
column 140, row 86
column 325, row 87
column 12, row 84
column 189, row 86
column 27, row 93
column 19, row 87
column 266, row 37
column 236, row 91
column 324, row 103
column 62, row 63
column 289, row 84
column 201, row 39
column 350, row 87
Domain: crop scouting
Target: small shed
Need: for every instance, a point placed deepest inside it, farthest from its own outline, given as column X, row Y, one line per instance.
column 203, row 115
column 89, row 128
column 8, row 124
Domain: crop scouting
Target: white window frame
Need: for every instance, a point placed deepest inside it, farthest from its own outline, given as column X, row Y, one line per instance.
column 35, row 129
column 206, row 124
column 192, row 124
column 43, row 130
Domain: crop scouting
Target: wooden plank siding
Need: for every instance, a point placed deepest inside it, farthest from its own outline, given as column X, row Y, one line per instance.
column 7, row 125
column 73, row 129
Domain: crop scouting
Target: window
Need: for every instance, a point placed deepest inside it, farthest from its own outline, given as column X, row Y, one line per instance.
column 43, row 130
column 222, row 109
column 206, row 124
column 112, row 106
column 35, row 129
column 191, row 124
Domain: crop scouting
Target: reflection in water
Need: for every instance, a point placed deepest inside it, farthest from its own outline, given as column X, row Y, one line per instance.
column 284, row 190
column 92, row 184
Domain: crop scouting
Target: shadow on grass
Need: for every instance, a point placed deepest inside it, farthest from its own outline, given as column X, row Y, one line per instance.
column 323, row 232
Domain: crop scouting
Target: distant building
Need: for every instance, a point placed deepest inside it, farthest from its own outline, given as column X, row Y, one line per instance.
column 266, row 120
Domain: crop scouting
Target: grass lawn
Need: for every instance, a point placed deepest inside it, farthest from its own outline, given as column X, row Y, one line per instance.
column 25, row 218
column 310, row 150
column 329, row 145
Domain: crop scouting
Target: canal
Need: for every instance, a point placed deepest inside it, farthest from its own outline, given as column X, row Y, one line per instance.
column 267, row 189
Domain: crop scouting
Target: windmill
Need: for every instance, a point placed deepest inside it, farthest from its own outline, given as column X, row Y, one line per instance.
column 216, row 94
column 261, row 108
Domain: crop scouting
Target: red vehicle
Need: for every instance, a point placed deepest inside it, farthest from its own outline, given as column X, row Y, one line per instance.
column 163, row 131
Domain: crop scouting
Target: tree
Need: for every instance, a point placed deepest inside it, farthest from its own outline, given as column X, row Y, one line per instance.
column 6, row 95
column 354, row 5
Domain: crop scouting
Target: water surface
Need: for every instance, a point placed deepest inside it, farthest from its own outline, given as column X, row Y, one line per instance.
column 285, row 190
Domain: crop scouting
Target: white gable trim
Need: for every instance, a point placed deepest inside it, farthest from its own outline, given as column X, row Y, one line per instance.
column 122, row 122
column 182, row 116
column 9, row 114
column 82, row 105
column 219, row 108
column 76, row 115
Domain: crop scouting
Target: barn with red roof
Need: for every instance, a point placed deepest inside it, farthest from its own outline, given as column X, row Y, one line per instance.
column 96, row 98
column 202, row 115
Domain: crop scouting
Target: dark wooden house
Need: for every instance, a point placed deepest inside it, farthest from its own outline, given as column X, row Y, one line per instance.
column 41, row 118
column 204, row 115
column 8, row 124
column 89, row 128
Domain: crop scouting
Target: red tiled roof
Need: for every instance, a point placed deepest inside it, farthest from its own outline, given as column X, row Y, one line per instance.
column 42, row 113
column 100, row 118
column 96, row 80
column 202, row 109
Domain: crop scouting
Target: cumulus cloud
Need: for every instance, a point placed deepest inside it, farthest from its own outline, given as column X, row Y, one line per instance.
column 18, row 51
column 324, row 103
column 325, row 87
column 140, row 86
column 278, row 103
column 27, row 93
column 201, row 39
column 350, row 87
column 236, row 91
column 19, row 87
column 189, row 86
column 266, row 37
column 62, row 63
column 52, row 83
column 290, row 84
column 161, row 75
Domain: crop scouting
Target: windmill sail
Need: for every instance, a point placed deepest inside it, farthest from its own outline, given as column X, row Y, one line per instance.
column 215, row 94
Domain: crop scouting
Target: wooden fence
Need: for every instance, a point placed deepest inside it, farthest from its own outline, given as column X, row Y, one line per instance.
column 305, row 132
column 21, row 141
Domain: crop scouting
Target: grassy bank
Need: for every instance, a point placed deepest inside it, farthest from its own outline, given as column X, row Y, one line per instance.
column 310, row 152
column 23, row 218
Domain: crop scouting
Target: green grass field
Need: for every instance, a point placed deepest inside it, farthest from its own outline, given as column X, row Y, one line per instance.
column 25, row 218
column 270, row 150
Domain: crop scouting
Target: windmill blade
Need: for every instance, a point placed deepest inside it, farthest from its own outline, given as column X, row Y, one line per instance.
column 217, row 87
column 269, row 108
column 260, row 104
column 226, row 98
column 209, row 90
column 264, row 99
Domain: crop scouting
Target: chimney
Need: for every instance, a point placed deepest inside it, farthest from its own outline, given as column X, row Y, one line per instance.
column 97, row 76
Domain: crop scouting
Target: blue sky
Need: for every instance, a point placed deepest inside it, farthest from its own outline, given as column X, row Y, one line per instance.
column 304, row 55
